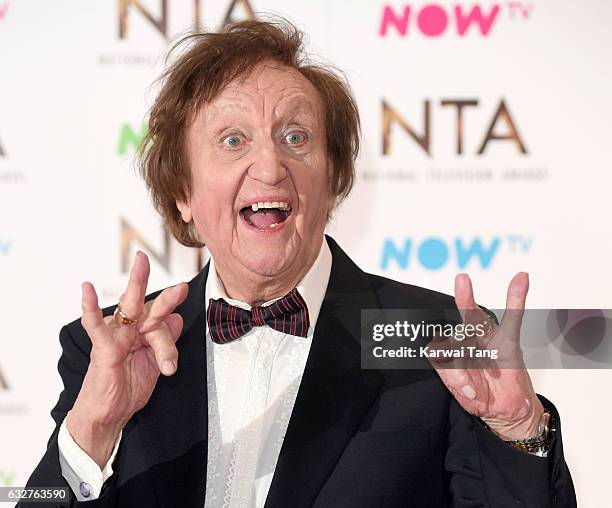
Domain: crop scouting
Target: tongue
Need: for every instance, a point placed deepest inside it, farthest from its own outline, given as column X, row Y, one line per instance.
column 263, row 218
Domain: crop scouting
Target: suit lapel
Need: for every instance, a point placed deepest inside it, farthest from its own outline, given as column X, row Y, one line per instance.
column 176, row 417
column 335, row 394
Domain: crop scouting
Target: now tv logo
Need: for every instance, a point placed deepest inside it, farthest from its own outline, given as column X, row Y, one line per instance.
column 435, row 20
column 4, row 7
column 5, row 246
column 434, row 253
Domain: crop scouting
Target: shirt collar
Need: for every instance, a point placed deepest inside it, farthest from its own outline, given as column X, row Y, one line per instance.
column 312, row 287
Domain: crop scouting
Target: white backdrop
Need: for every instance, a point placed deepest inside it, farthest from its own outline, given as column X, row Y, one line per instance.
column 535, row 80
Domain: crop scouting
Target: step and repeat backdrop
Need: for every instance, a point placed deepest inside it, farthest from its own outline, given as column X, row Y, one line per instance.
column 486, row 149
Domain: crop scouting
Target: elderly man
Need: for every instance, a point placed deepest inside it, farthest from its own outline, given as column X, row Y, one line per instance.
column 244, row 387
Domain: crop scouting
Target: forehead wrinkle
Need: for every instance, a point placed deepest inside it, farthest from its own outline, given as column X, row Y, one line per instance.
column 296, row 107
column 282, row 84
column 274, row 97
column 220, row 112
column 227, row 104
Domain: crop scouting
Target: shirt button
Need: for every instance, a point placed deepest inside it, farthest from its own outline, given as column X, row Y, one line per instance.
column 85, row 489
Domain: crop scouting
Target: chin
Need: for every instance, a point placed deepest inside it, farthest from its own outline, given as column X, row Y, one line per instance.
column 268, row 263
column 267, row 253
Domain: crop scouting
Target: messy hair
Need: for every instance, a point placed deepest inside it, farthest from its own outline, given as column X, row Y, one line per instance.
column 209, row 61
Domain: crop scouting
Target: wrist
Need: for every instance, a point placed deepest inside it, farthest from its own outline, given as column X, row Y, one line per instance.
column 539, row 444
column 96, row 439
column 524, row 428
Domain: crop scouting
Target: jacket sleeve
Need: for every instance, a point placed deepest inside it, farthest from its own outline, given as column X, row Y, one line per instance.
column 72, row 367
column 486, row 472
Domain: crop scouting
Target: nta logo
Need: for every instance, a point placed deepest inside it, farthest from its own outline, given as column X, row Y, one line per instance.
column 160, row 21
column 7, row 477
column 129, row 236
column 433, row 20
column 130, row 138
column 4, row 9
column 391, row 116
column 3, row 383
column 434, row 252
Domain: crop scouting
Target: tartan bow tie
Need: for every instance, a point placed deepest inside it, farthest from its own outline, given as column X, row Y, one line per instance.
column 227, row 323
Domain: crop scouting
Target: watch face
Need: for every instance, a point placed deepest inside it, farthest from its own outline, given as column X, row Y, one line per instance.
column 540, row 453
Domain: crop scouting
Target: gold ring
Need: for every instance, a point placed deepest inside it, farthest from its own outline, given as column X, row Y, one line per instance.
column 490, row 327
column 121, row 318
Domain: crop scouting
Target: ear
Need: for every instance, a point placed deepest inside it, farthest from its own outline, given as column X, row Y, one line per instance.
column 185, row 210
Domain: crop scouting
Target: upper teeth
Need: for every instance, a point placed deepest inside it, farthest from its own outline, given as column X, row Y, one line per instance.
column 270, row 204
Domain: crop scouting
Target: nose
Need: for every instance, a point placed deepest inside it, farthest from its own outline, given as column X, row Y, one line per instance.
column 267, row 166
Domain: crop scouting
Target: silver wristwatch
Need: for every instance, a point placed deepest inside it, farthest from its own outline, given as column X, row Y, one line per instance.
column 539, row 444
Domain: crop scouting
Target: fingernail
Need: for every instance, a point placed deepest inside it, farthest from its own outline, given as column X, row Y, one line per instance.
column 468, row 392
column 168, row 367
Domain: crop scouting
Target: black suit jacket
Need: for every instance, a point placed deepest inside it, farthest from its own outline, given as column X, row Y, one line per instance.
column 356, row 438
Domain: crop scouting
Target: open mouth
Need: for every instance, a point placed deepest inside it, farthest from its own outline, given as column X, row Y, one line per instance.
column 266, row 214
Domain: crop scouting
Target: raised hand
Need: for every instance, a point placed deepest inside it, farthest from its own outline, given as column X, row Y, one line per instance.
column 498, row 392
column 126, row 360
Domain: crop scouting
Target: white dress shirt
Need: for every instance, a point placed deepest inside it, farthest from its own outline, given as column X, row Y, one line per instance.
column 252, row 387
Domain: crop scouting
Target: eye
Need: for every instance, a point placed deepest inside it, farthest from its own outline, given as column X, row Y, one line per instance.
column 295, row 138
column 232, row 141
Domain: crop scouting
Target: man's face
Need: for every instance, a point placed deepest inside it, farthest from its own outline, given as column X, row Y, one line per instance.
column 260, row 176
